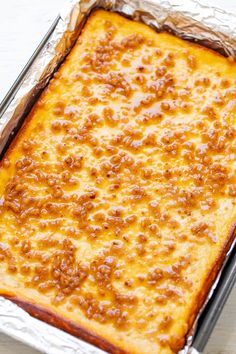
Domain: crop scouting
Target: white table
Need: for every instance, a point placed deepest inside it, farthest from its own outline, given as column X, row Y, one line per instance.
column 22, row 25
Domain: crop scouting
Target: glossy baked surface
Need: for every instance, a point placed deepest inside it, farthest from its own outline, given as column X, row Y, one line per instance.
column 118, row 195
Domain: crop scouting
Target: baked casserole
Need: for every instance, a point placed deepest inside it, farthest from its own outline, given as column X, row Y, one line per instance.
column 118, row 193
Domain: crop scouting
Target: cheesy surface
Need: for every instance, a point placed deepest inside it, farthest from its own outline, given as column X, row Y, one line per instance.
column 118, row 194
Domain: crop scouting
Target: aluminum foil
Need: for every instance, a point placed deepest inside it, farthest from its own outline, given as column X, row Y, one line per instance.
column 187, row 19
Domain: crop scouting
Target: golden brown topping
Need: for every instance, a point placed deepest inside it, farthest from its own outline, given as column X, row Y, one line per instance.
column 191, row 60
column 203, row 81
column 73, row 162
column 109, row 116
column 224, row 83
column 169, row 60
column 161, row 71
column 209, row 111
column 59, row 108
column 133, row 41
column 232, row 190
column 166, row 323
column 165, row 106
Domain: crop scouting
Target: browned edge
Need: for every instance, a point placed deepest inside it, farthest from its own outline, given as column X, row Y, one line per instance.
column 211, row 277
column 66, row 325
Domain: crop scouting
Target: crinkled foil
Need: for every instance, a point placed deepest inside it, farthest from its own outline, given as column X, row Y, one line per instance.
column 188, row 19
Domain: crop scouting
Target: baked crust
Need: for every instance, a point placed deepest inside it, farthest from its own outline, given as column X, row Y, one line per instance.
column 90, row 337
column 113, row 191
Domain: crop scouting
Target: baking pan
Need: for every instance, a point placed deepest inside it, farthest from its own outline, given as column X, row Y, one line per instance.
column 10, row 95
column 225, row 280
column 13, row 90
column 216, row 303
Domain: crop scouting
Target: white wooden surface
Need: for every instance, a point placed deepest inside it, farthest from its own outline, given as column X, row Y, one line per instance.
column 22, row 25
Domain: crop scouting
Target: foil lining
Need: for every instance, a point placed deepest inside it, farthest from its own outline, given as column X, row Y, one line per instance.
column 47, row 339
column 189, row 19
